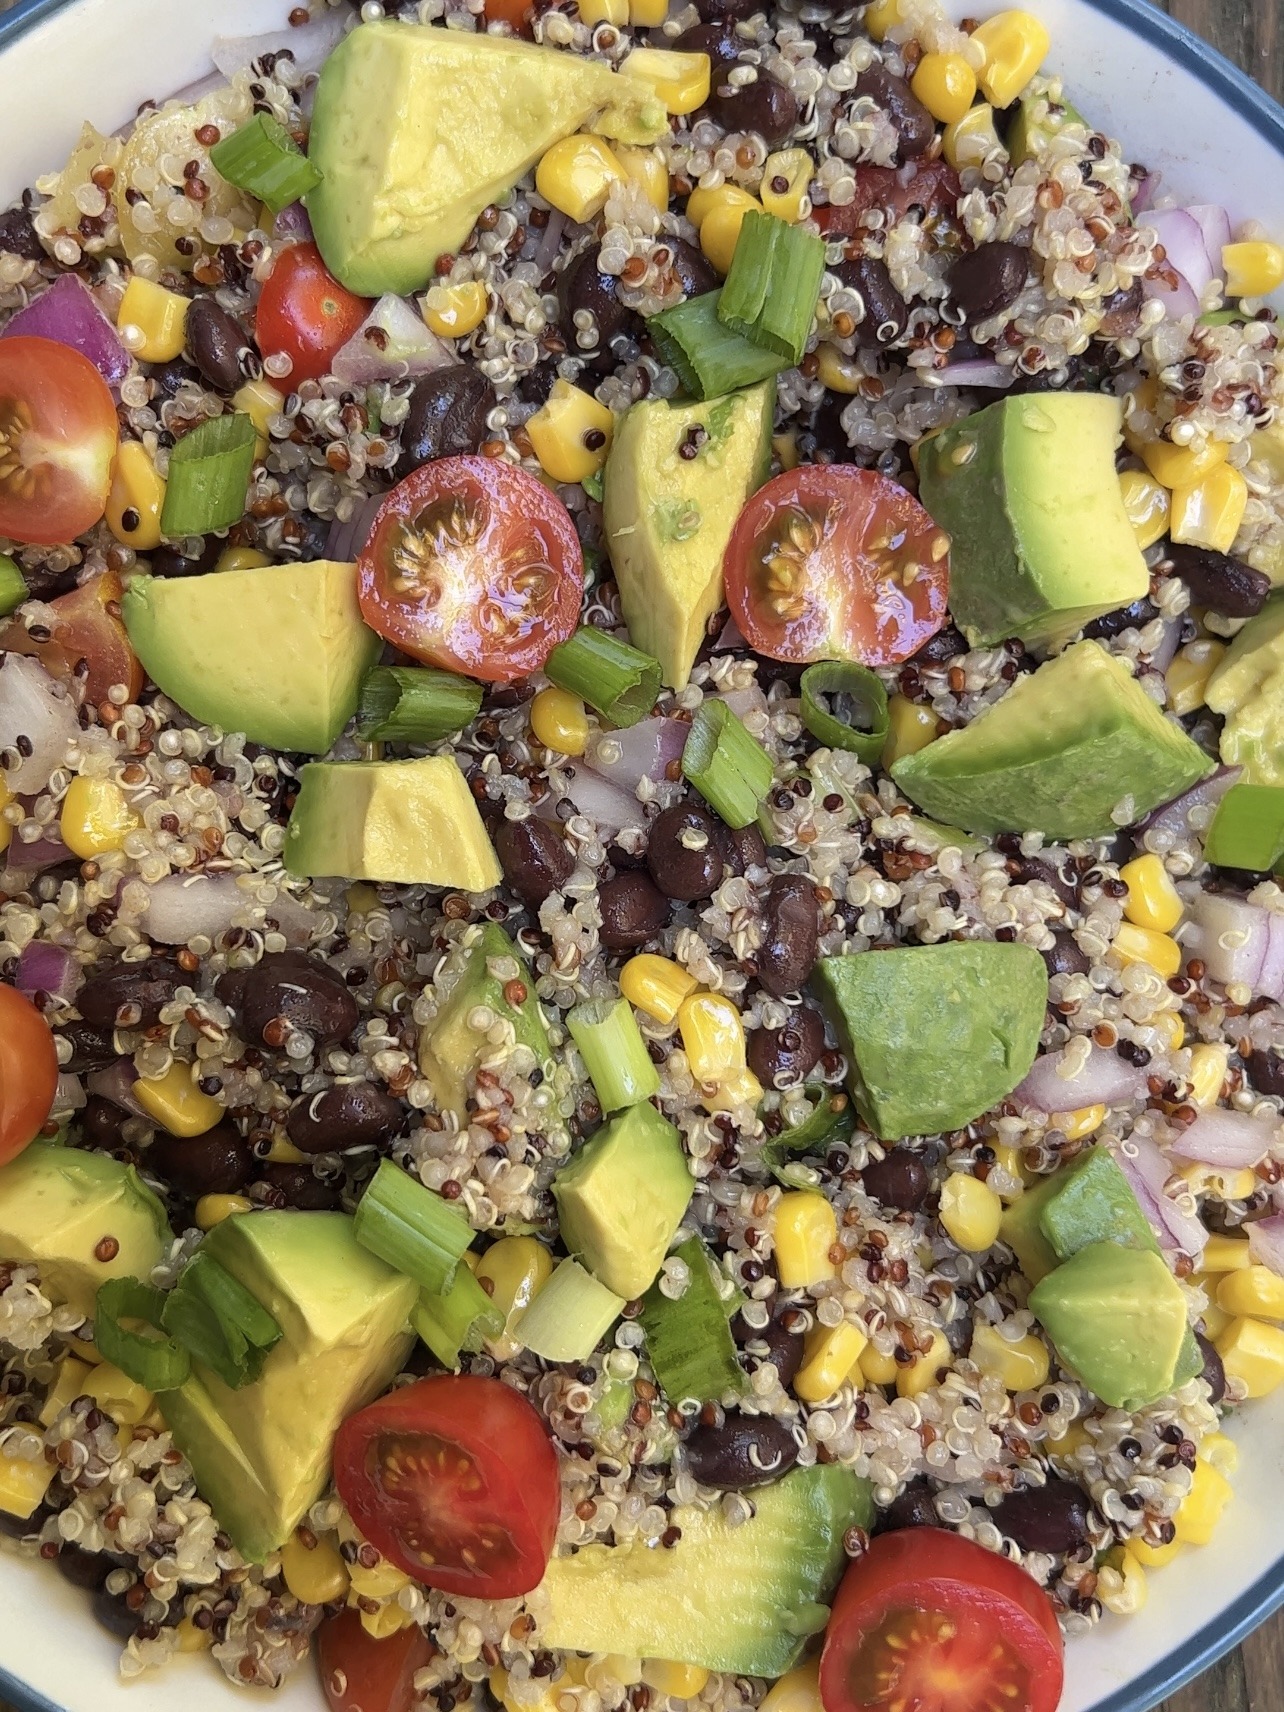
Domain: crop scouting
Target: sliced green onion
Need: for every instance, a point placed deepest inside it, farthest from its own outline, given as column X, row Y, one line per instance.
column 570, row 1316
column 156, row 1361
column 771, row 292
column 208, row 472
column 614, row 1053
column 730, row 769
column 413, row 1229
column 263, row 158
column 688, row 1339
column 414, row 704
column 708, row 358
column 619, row 681
column 13, row 586
column 219, row 1322
column 830, row 1119
column 457, row 1320
column 856, row 718
column 1248, row 829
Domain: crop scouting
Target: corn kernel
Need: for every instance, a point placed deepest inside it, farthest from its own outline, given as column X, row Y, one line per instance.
column 680, row 80
column 1073, row 1440
column 211, row 1210
column 1182, row 466
column 136, row 498
column 924, row 1372
column 678, row 1681
column 1169, row 1023
column 971, row 140
column 384, row 1581
column 1154, row 1557
column 191, row 1639
column 576, row 175
column 1210, row 511
column 836, row 370
column 316, row 1574
column 1254, row 1291
column 625, row 1668
column 571, row 435
column 784, row 448
column 571, row 1675
column 241, row 559
column 647, row 170
column 96, row 817
column 69, row 1385
column 559, row 722
column 877, row 1368
column 829, row 1355
column 595, row 12
column 282, row 1151
column 1147, row 504
column 388, row 1619
column 1153, row 901
column 1221, row 1182
column 1213, row 1322
column 452, row 311
column 1225, row 1253
column 1207, row 1073
column 701, row 203
column 648, row 14
column 1008, row 1157
column 713, row 1036
column 1086, row 1121
column 176, row 1103
column 260, row 401
column 720, row 233
column 946, row 85
column 970, row 1212
column 1222, row 1452
column 797, row 1691
column 786, row 179
column 1122, row 1585
column 1201, row 1509
column 656, row 985
column 738, row 1087
column 1252, row 269
column 160, row 317
column 117, row 1394
column 517, row 1269
column 1253, row 1353
column 23, row 1484
column 910, row 727
column 882, row 16
column 806, row 1229
column 1020, row 1366
column 1143, row 400
column 1016, row 45
column 1133, row 944
column 1187, row 678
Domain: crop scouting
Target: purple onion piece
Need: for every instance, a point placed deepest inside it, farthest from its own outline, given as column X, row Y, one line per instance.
column 1185, row 254
column 68, row 314
column 1105, row 1080
column 1173, row 817
column 991, row 376
column 642, row 751
column 51, row 969
column 1215, row 230
column 1230, row 935
column 1143, row 1162
column 1266, row 1242
column 1230, row 1141
column 392, row 343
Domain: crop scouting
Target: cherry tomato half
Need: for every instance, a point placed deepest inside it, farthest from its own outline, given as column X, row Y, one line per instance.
column 934, row 188
column 831, row 562
column 515, row 12
column 306, row 313
column 88, row 643
column 929, row 1620
column 58, row 440
column 361, row 1674
column 28, row 1072
column 474, row 566
column 455, row 1480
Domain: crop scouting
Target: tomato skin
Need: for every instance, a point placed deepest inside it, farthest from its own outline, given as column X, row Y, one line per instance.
column 463, row 1465
column 992, row 1601
column 360, row 1674
column 28, row 1072
column 935, row 188
column 57, row 415
column 504, row 590
column 518, row 13
column 306, row 313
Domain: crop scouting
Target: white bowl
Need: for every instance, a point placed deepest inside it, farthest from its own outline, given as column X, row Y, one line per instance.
column 1217, row 138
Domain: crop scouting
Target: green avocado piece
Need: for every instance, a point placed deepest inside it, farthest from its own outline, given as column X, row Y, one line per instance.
column 1094, row 1202
column 668, row 518
column 1037, row 122
column 1028, row 492
column 621, row 1198
column 1118, row 1319
column 417, row 129
column 262, row 1453
column 741, row 1599
column 1247, row 689
column 1056, row 754
column 1248, row 829
column 56, row 1206
column 1021, row 1229
column 408, row 823
column 277, row 652
column 934, row 1034
column 474, row 977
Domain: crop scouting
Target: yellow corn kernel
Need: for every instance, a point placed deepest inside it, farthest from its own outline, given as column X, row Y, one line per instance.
column 1020, row 1366
column 69, row 1385
column 946, row 85
column 96, row 817
column 829, row 1355
column 159, row 318
column 241, row 559
column 316, row 1574
column 1222, row 1452
column 1254, row 1291
column 388, row 1620
column 1169, row 1023
column 646, row 168
column 1252, row 269
column 191, row 1639
column 1016, row 45
column 877, row 1368
column 282, row 1151
column 595, row 12
column 1143, row 400
column 87, row 1352
column 1201, row 1509
column 260, row 401
column 720, row 233
column 806, row 1229
column 1182, row 466
column 176, row 1103
column 572, row 1675
column 1152, row 900
column 970, row 1212
column 451, row 311
column 1147, row 504
column 971, row 140
column 576, row 175
column 1207, row 1073
column 1221, row 1183
column 1154, row 1557
column 211, row 1210
column 738, row 1087
column 516, row 1268
column 910, row 727
column 117, row 1394
column 1075, row 1437
column 1008, row 1158
column 1086, row 1121
column 836, row 370
column 702, row 203
column 656, row 985
column 1253, row 1353
column 624, row 1668
column 786, row 179
column 882, row 16
column 1209, row 513
column 571, row 434
column 713, row 1036
column 784, row 448
column 23, row 1484
column 1213, row 1321
column 1187, row 678
column 1122, row 1585
column 1133, row 944
column 648, row 14
column 384, row 1581
column 1225, row 1254
column 680, row 80
column 797, row 1691
column 924, row 1371
column 559, row 722
column 136, row 498
column 678, row 1681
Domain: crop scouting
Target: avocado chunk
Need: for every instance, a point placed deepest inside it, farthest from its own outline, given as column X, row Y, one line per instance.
column 408, row 823
column 1028, row 492
column 740, row 1599
column 1090, row 1200
column 934, row 1034
column 416, row 130
column 57, row 1204
column 1118, row 1319
column 1021, row 1230
column 478, row 976
column 1248, row 829
column 277, row 652
column 668, row 516
column 1247, row 689
column 1037, row 122
column 261, row 1454
column 622, row 1197
column 1057, row 754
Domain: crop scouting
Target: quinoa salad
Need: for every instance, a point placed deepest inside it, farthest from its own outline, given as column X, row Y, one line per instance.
column 641, row 791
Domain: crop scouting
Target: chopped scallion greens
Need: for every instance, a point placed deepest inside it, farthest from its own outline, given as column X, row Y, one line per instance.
column 619, row 681
column 708, row 358
column 570, row 1316
column 770, row 294
column 413, row 1229
column 414, row 704
column 263, row 158
column 13, row 586
column 830, row 1119
column 614, row 1053
column 688, row 1339
column 845, row 706
column 458, row 1319
column 1248, row 829
column 208, row 472
column 219, row 1322
column 730, row 769
column 154, row 1360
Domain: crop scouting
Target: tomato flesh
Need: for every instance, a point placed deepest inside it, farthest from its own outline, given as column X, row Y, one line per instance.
column 455, row 1480
column 305, row 313
column 473, row 566
column 28, row 1072
column 58, row 440
column 361, row 1674
column 831, row 562
column 88, row 645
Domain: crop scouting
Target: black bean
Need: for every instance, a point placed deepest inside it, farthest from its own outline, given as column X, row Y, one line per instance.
column 785, row 1347
column 534, row 857
column 1214, row 1373
column 691, row 268
column 301, row 1187
column 1121, row 312
column 1061, row 877
column 1227, row 585
column 899, row 1179
column 114, row 1614
column 214, row 343
column 788, row 1052
column 791, row 943
column 101, row 1124
column 18, row 235
column 83, row 1569
column 914, row 1507
column 945, row 646
column 1063, row 956
column 300, row 990
column 216, row 1163
column 728, row 11
column 742, row 847
column 764, row 107
column 719, row 41
column 886, row 313
column 18, row 1527
column 447, row 416
column 986, row 281
column 131, row 995
column 821, row 440
column 1051, row 1518
column 168, row 379
column 536, row 384
column 914, row 125
column 1132, row 617
column 91, row 1048
column 633, row 911
column 745, row 1450
column 349, row 1114
column 1266, row 1072
column 684, row 853
column 583, row 286
column 166, row 562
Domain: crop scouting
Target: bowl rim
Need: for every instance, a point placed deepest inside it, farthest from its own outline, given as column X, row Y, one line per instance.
column 1266, row 115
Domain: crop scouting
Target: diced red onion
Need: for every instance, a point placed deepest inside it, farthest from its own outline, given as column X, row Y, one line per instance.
column 606, row 804
column 292, row 225
column 729, row 637
column 550, row 242
column 1104, row 1080
column 1143, row 198
column 1148, row 1171
column 392, row 343
column 52, row 969
column 1173, row 818
column 310, row 45
column 1232, row 1141
column 47, row 851
column 1270, row 978
column 68, row 314
column 1215, row 229
column 115, row 1084
column 1266, row 1242
column 749, row 700
column 1229, row 935
column 1185, row 254
column 1166, row 652
column 346, row 541
column 182, row 906
column 991, row 376
column 33, row 706
column 69, row 1095
column 642, row 751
